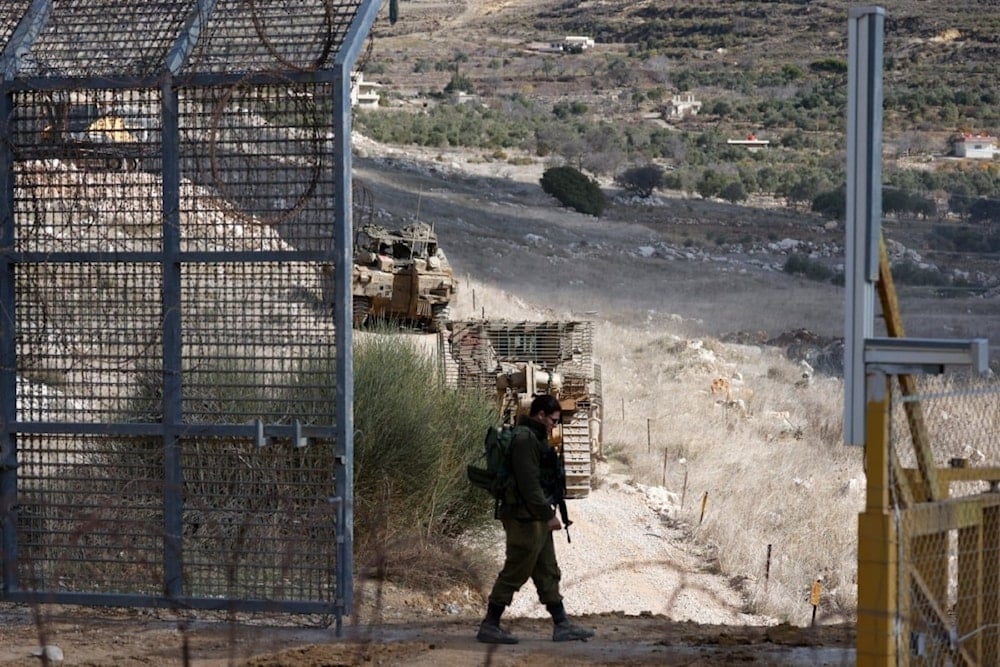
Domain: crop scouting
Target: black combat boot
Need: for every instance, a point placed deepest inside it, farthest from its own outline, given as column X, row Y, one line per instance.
column 490, row 631
column 564, row 630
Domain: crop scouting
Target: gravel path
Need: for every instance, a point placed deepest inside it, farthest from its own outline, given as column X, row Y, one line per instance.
column 626, row 556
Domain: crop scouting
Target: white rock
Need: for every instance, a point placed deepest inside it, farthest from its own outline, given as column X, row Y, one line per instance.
column 50, row 652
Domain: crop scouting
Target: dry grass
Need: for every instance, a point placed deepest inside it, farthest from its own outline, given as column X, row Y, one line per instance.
column 768, row 452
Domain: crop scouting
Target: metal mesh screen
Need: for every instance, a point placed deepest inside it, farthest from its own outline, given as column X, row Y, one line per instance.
column 961, row 415
column 85, row 333
column 94, row 38
column 256, row 165
column 174, row 346
column 250, row 35
column 90, row 514
column 90, row 37
column 88, row 171
column 949, row 548
column 474, row 351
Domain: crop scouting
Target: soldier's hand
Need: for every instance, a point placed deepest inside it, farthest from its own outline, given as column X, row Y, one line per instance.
column 554, row 524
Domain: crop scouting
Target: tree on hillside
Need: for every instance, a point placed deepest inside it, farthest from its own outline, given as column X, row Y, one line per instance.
column 985, row 211
column 803, row 189
column 710, row 184
column 603, row 152
column 832, row 203
column 733, row 192
column 641, row 181
column 572, row 188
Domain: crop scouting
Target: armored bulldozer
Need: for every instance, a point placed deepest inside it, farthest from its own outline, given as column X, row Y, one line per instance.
column 401, row 275
column 93, row 134
column 512, row 361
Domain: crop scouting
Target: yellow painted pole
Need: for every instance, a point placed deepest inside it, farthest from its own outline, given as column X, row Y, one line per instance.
column 877, row 537
column 929, row 488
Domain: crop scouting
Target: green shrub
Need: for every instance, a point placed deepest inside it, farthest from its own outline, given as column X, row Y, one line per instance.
column 574, row 189
column 641, row 181
column 964, row 238
column 910, row 273
column 412, row 445
column 810, row 268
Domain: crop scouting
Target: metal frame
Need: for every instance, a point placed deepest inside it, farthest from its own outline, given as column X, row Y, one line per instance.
column 864, row 204
column 927, row 354
column 883, row 596
column 168, row 80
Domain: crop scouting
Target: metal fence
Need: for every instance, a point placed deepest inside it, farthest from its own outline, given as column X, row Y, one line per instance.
column 175, row 425
column 939, row 556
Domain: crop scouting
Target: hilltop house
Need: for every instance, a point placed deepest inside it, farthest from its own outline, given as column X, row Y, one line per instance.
column 752, row 143
column 680, row 106
column 573, row 43
column 364, row 94
column 979, row 147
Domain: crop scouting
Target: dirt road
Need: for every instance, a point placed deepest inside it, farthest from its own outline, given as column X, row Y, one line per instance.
column 135, row 638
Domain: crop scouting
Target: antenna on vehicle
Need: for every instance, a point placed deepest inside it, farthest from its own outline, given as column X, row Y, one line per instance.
column 417, row 251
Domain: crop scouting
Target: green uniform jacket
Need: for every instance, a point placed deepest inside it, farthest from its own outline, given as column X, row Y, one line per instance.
column 527, row 449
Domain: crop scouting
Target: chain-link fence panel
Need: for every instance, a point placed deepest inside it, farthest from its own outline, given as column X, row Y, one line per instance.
column 948, row 522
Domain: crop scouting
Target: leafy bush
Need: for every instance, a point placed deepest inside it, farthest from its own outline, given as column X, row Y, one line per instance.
column 903, row 203
column 910, row 273
column 564, row 109
column 415, row 437
column 964, row 238
column 829, row 65
column 810, row 268
column 574, row 189
column 832, row 203
column 641, row 181
column 733, row 192
column 460, row 83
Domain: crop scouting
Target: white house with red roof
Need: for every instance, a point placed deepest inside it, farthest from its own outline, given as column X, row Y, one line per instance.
column 982, row 146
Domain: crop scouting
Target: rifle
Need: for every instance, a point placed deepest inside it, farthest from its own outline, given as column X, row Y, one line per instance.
column 557, row 490
column 565, row 518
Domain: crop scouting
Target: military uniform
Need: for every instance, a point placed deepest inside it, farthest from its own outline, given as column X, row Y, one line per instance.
column 525, row 512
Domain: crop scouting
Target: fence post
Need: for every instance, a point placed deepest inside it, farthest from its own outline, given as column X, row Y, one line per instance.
column 815, row 595
column 767, row 568
column 684, row 490
column 878, row 564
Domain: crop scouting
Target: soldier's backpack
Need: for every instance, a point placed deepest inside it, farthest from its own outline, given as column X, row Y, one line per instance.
column 496, row 477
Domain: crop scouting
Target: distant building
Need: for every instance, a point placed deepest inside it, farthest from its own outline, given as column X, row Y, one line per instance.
column 364, row 94
column 680, row 106
column 978, row 147
column 752, row 143
column 462, row 97
column 574, row 42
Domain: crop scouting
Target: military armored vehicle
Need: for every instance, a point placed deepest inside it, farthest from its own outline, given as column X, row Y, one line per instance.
column 94, row 135
column 512, row 361
column 401, row 275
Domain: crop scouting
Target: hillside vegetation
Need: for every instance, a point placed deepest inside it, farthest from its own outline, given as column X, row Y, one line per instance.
column 767, row 457
column 774, row 70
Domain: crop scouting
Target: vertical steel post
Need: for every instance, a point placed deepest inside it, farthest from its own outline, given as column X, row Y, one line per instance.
column 864, row 204
column 343, row 258
column 343, row 261
column 8, row 355
column 878, row 566
column 173, row 417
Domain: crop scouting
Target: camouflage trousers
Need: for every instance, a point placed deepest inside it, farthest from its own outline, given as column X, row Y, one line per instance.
column 530, row 554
